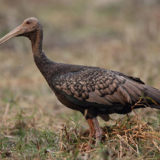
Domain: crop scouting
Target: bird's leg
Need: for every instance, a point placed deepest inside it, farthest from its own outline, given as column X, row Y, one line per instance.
column 95, row 129
column 91, row 130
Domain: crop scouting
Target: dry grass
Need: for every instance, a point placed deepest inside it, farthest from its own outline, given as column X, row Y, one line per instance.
column 119, row 35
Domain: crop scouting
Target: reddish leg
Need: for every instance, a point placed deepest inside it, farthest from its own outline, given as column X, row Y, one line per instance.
column 91, row 130
column 95, row 130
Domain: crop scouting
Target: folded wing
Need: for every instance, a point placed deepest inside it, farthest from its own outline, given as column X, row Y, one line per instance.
column 100, row 86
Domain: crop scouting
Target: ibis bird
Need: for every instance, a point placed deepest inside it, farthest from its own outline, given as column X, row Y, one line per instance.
column 93, row 91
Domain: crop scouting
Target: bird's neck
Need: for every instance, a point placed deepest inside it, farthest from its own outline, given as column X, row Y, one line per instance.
column 41, row 60
column 36, row 40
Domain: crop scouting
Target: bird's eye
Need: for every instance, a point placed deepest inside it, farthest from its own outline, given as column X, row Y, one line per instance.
column 28, row 22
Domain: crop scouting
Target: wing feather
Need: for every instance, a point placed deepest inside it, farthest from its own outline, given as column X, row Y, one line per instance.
column 100, row 86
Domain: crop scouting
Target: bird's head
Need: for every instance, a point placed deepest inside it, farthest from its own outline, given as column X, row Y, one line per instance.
column 27, row 28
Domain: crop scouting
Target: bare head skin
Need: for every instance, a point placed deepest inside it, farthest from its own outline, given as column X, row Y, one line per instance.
column 28, row 26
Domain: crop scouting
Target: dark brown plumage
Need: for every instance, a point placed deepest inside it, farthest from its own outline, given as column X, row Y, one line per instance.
column 91, row 90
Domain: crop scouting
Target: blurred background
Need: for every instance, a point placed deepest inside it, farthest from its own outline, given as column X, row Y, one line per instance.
column 121, row 35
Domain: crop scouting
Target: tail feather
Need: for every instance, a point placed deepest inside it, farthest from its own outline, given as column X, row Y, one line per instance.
column 153, row 97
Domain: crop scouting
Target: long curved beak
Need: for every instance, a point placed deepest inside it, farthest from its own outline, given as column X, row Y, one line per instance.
column 15, row 32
